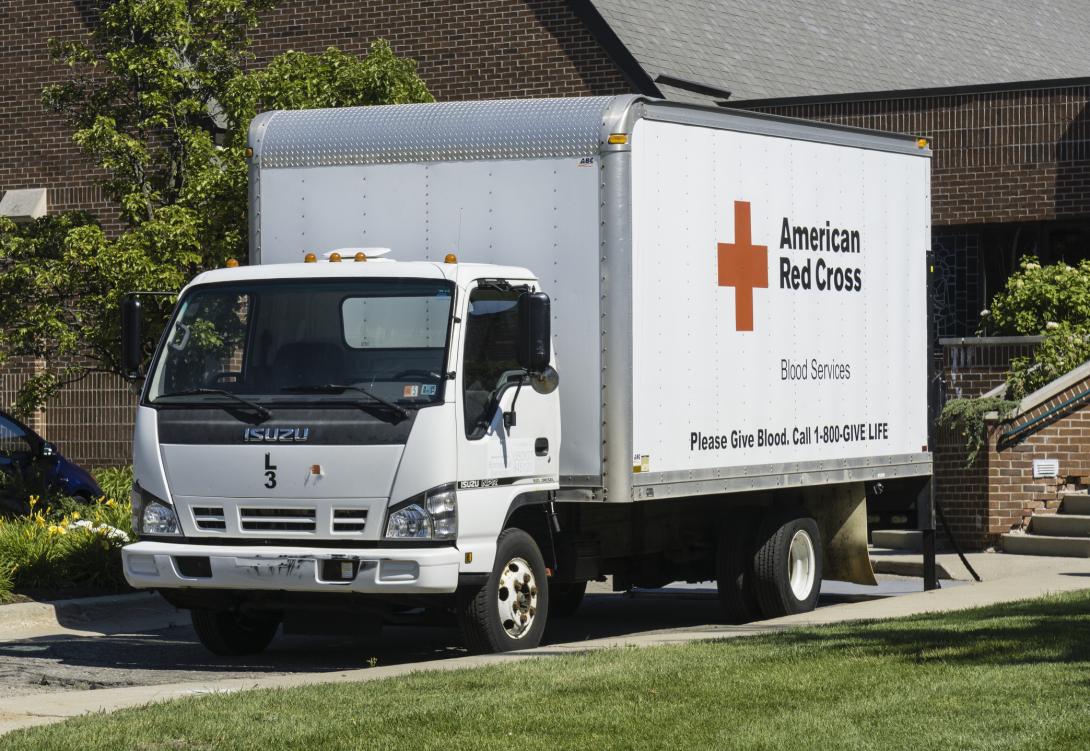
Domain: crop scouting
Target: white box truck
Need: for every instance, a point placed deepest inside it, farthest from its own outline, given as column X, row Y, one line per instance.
column 486, row 352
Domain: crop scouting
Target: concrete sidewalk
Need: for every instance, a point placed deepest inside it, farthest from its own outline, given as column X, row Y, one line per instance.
column 1007, row 579
column 89, row 616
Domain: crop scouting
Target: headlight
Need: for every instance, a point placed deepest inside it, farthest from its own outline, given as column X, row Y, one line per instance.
column 432, row 516
column 151, row 515
column 160, row 519
column 409, row 521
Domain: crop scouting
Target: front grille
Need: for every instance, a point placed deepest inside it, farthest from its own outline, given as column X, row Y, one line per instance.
column 349, row 519
column 277, row 519
column 209, row 517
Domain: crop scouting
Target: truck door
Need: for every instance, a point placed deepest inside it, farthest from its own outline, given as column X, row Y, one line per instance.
column 524, row 447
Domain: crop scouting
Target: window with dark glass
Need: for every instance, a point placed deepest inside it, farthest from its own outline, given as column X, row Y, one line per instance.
column 14, row 443
column 490, row 353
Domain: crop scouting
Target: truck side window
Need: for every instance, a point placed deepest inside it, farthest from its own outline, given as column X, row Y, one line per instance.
column 490, row 354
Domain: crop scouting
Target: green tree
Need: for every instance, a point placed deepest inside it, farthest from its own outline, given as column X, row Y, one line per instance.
column 160, row 97
column 1051, row 301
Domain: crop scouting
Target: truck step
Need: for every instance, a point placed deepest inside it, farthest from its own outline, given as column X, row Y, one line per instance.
column 1068, row 547
column 1075, row 503
column 1060, row 525
column 897, row 539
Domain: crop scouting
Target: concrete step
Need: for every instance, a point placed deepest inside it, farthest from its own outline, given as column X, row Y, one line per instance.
column 1068, row 547
column 1060, row 525
column 1075, row 503
column 897, row 539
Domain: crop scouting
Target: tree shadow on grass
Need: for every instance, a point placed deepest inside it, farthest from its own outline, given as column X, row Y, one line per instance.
column 1048, row 630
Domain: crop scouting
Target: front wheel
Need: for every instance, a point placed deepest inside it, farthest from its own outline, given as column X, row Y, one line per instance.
column 510, row 610
column 229, row 633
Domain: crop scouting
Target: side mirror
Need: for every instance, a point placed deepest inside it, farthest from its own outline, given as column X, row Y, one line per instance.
column 132, row 352
column 535, row 333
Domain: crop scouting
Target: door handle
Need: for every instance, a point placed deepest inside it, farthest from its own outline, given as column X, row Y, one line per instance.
column 541, row 446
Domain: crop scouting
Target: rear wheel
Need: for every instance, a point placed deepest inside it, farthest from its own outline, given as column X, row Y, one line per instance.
column 227, row 632
column 787, row 566
column 733, row 570
column 509, row 611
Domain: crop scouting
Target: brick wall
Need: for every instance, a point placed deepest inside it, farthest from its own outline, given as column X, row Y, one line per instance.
column 998, row 156
column 998, row 493
column 36, row 149
column 961, row 490
column 91, row 421
column 973, row 366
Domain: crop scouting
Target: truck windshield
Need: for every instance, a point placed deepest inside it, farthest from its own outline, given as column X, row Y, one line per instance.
column 382, row 341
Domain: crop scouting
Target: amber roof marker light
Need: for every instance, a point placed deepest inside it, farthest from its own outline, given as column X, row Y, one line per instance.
column 450, row 258
column 334, row 257
column 310, row 258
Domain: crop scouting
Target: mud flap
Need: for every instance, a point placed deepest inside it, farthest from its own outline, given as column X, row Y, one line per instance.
column 841, row 514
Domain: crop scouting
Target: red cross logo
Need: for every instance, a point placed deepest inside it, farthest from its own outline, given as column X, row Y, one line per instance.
column 744, row 266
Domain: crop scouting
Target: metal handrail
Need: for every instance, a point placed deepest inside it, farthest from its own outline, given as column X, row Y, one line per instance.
column 1009, row 436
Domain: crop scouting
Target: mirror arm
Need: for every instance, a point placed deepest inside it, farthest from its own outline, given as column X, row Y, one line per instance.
column 509, row 418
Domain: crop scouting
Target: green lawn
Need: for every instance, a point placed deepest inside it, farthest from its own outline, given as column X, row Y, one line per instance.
column 1013, row 676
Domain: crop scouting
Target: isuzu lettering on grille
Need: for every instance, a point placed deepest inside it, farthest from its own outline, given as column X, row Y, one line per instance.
column 276, row 435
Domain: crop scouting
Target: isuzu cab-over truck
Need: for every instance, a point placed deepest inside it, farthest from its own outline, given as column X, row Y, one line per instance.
column 639, row 339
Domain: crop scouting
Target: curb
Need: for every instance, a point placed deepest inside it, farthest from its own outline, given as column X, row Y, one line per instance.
column 89, row 616
column 905, row 567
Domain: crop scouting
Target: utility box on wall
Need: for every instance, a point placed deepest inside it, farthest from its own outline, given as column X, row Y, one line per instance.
column 25, row 204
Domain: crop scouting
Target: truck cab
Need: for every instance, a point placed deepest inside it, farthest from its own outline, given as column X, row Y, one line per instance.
column 346, row 426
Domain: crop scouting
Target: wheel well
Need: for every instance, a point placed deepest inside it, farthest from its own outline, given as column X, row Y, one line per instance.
column 530, row 515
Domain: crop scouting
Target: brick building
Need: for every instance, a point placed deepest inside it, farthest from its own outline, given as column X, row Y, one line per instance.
column 1002, row 97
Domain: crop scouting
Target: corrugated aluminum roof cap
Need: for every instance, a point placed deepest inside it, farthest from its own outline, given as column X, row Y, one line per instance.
column 443, row 131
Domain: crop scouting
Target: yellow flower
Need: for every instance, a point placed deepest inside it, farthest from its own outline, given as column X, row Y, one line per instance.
column 75, row 515
column 33, row 501
column 111, row 503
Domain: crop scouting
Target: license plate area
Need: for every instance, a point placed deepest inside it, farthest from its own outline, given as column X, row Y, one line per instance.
column 338, row 570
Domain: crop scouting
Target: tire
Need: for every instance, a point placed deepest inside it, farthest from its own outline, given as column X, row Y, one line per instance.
column 565, row 599
column 734, row 570
column 498, row 617
column 787, row 566
column 229, row 633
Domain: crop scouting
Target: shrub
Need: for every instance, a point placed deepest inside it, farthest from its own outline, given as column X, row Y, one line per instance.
column 54, row 550
column 6, row 585
column 965, row 418
column 1051, row 301
column 116, row 482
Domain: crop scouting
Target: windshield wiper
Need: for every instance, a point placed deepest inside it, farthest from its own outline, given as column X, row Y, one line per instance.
column 264, row 413
column 339, row 388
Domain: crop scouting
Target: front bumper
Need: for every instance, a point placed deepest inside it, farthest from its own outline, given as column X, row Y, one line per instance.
column 156, row 565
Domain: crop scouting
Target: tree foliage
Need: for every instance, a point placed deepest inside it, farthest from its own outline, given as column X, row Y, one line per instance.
column 160, row 97
column 1050, row 301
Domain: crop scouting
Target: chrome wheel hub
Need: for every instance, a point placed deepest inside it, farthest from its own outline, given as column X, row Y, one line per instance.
column 517, row 598
column 801, row 565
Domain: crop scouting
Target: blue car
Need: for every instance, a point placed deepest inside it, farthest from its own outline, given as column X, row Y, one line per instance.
column 29, row 462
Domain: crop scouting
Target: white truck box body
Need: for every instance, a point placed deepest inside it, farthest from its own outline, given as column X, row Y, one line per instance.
column 663, row 392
